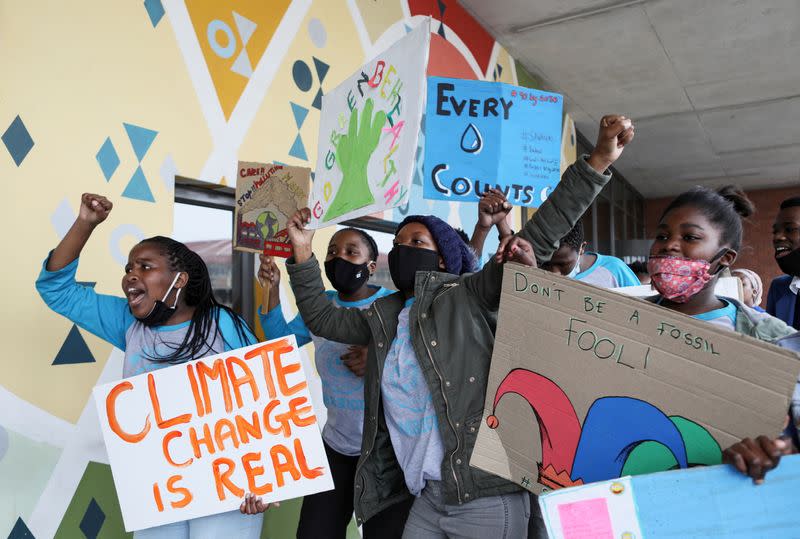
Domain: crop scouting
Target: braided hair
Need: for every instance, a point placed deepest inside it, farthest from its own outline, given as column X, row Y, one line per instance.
column 204, row 325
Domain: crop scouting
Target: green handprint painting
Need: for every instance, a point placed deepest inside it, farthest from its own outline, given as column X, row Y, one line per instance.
column 352, row 154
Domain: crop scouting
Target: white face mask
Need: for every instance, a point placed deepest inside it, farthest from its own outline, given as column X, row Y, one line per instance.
column 575, row 270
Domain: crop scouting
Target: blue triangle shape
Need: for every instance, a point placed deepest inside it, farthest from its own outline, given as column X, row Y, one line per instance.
column 74, row 350
column 300, row 114
column 155, row 10
column 317, row 104
column 141, row 138
column 407, row 27
column 20, row 531
column 321, row 67
column 298, row 150
column 138, row 188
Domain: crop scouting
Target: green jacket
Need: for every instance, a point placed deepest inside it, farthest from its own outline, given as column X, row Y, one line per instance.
column 768, row 328
column 453, row 322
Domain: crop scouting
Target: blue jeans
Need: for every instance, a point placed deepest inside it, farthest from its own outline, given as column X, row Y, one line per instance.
column 230, row 524
column 495, row 517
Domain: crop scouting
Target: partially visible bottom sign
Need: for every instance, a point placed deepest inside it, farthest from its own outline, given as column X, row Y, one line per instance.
column 714, row 501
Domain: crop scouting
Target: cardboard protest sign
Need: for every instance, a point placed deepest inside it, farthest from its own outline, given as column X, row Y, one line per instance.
column 191, row 440
column 368, row 133
column 714, row 501
column 587, row 384
column 489, row 134
column 266, row 198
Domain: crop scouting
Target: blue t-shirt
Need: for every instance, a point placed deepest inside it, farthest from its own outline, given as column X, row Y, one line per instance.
column 608, row 272
column 342, row 391
column 110, row 318
column 409, row 411
column 725, row 317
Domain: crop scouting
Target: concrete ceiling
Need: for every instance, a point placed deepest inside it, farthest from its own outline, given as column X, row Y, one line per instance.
column 712, row 85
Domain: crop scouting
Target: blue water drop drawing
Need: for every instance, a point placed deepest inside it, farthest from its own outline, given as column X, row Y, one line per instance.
column 471, row 139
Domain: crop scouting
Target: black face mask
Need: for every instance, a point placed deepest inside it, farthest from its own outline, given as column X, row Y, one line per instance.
column 790, row 264
column 160, row 312
column 345, row 276
column 405, row 262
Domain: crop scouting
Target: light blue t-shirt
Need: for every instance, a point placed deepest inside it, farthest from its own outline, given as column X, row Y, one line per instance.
column 342, row 391
column 408, row 408
column 608, row 272
column 725, row 317
column 110, row 318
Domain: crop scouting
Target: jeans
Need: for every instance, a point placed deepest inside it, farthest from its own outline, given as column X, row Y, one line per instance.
column 494, row 517
column 230, row 524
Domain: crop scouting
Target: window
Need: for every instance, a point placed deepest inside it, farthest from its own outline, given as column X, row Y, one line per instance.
column 616, row 218
column 204, row 221
column 208, row 232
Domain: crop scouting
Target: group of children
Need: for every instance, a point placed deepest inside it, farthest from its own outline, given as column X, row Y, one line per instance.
column 404, row 372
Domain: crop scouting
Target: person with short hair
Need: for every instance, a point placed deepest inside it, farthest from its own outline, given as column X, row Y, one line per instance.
column 572, row 260
column 783, row 299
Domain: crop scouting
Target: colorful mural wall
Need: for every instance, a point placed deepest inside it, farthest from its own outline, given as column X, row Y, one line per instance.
column 117, row 98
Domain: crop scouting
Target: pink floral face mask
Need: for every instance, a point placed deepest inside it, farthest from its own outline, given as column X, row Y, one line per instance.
column 678, row 279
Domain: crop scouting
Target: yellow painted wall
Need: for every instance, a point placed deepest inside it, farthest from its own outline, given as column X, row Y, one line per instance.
column 74, row 73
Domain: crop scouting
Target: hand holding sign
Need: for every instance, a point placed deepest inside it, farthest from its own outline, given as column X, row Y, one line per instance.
column 94, row 209
column 300, row 236
column 268, row 273
column 269, row 277
column 253, row 505
column 615, row 133
column 756, row 457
